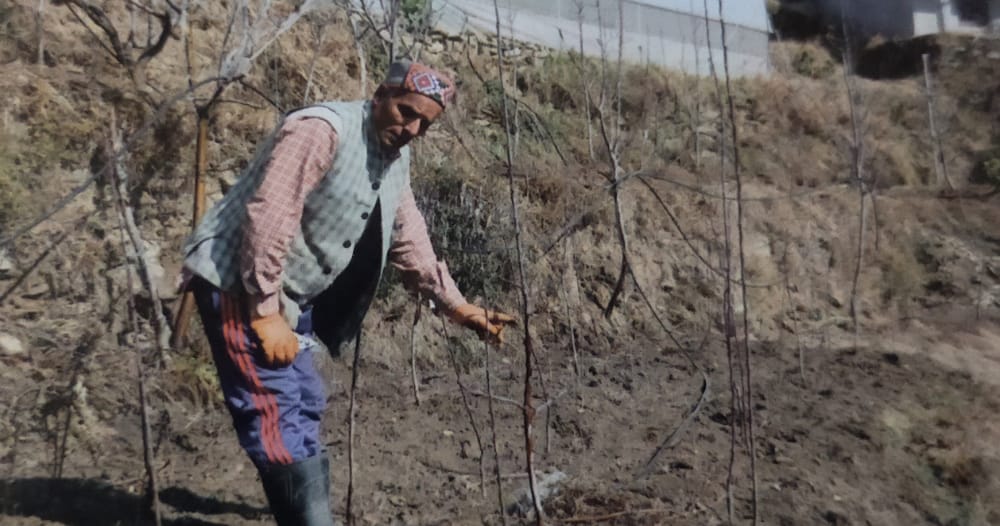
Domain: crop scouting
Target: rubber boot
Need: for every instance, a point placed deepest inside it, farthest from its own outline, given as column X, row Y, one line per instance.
column 299, row 493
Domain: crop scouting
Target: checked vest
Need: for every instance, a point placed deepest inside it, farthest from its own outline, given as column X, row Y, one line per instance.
column 334, row 217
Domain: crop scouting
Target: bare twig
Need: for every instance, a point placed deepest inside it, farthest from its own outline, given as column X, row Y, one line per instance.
column 571, row 275
column 134, row 253
column 940, row 166
column 320, row 32
column 705, row 383
column 413, row 351
column 352, row 416
column 493, row 427
column 497, row 398
column 612, row 142
column 607, row 517
column 362, row 61
column 857, row 168
column 40, row 29
column 41, row 257
column 161, row 327
column 586, row 85
column 468, row 408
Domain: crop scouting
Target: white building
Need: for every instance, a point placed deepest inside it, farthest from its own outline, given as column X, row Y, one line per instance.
column 908, row 18
column 956, row 16
column 670, row 33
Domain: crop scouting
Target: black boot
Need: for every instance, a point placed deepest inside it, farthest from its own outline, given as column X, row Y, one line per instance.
column 299, row 493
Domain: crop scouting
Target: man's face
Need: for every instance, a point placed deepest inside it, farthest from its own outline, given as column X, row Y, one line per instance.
column 401, row 117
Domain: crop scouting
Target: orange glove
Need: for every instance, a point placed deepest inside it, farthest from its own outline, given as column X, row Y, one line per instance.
column 485, row 322
column 276, row 338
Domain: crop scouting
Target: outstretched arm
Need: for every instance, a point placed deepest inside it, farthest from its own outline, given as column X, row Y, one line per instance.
column 412, row 254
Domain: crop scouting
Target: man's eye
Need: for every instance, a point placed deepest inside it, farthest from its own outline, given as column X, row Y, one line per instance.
column 407, row 112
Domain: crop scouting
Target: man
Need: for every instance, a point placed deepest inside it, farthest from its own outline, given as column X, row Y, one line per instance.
column 296, row 248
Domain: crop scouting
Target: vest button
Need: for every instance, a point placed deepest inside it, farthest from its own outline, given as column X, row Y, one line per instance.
column 327, row 270
column 375, row 186
column 364, row 215
column 347, row 244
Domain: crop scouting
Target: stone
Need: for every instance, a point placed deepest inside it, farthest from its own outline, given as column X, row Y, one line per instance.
column 547, row 485
column 6, row 265
column 434, row 48
column 10, row 345
column 227, row 180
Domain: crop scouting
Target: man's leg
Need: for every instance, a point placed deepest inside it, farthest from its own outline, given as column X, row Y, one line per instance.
column 275, row 411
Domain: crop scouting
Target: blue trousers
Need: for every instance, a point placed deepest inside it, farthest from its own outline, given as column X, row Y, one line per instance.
column 276, row 410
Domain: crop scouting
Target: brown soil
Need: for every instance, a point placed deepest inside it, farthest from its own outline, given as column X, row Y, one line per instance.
column 871, row 436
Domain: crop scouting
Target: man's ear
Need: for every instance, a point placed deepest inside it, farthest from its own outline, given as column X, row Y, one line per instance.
column 381, row 92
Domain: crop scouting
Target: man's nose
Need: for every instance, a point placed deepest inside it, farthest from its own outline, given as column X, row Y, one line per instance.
column 413, row 127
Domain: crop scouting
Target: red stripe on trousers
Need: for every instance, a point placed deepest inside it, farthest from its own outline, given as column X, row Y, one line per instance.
column 263, row 401
column 277, row 443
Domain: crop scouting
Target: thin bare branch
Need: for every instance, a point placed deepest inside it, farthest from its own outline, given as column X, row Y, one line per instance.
column 527, row 413
column 493, row 428
column 134, row 251
column 352, row 417
column 413, row 351
column 468, row 408
column 747, row 370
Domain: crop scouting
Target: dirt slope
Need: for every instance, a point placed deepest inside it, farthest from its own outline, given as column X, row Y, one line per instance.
column 898, row 427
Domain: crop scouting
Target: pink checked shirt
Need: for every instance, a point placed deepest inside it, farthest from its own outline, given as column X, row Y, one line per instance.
column 303, row 153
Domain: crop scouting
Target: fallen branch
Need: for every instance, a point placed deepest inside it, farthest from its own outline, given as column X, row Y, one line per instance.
column 610, row 516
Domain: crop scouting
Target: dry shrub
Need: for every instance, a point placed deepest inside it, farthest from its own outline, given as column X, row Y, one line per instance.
column 894, row 165
column 796, row 106
column 806, row 59
column 903, row 276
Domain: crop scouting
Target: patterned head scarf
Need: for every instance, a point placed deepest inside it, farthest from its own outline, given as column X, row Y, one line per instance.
column 415, row 77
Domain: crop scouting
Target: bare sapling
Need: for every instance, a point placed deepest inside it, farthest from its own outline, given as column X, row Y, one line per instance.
column 940, row 166
column 582, row 64
column 857, row 159
column 613, row 144
column 747, row 369
column 528, row 411
column 134, row 251
column 727, row 315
